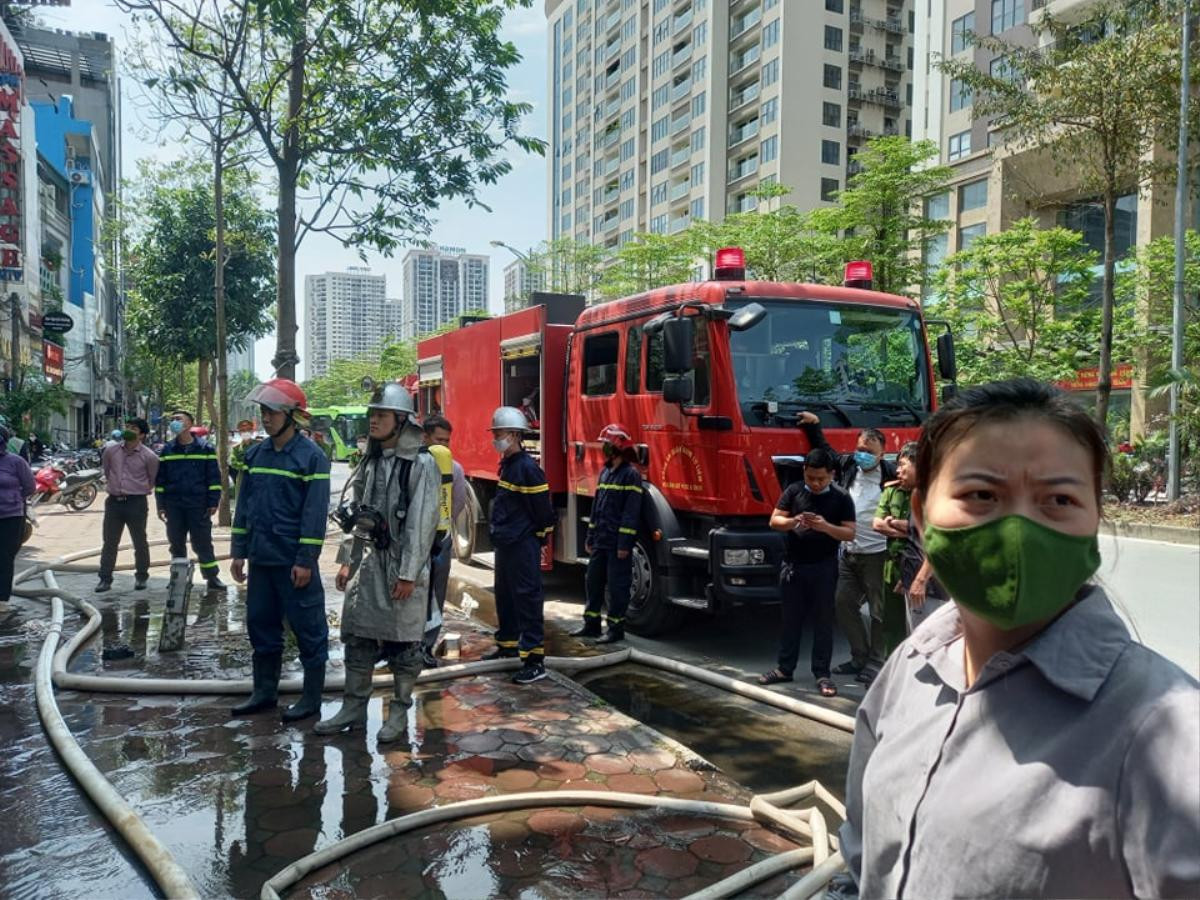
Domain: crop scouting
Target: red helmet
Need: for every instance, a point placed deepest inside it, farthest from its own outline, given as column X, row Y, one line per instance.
column 281, row 395
column 617, row 435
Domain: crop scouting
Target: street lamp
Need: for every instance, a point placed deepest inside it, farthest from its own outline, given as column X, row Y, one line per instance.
column 519, row 294
column 524, row 257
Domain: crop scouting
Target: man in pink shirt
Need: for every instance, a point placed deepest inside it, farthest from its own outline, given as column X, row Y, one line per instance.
column 130, row 468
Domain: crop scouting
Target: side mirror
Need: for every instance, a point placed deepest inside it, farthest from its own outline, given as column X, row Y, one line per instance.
column 677, row 389
column 368, row 384
column 747, row 317
column 655, row 325
column 947, row 366
column 679, row 332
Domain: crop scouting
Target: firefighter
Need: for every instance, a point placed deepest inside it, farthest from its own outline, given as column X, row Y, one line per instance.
column 453, row 484
column 522, row 519
column 237, row 458
column 613, row 529
column 280, row 528
column 187, row 491
column 386, row 562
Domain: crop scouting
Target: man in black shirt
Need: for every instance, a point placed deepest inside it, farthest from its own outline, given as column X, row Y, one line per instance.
column 816, row 515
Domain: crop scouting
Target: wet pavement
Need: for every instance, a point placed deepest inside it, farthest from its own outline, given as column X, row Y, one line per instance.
column 236, row 800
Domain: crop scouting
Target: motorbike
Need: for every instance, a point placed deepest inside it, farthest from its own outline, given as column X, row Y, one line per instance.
column 56, row 482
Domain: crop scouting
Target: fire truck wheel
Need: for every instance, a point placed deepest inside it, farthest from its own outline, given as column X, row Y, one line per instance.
column 650, row 613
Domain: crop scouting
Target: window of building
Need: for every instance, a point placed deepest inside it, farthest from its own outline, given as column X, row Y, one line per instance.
column 629, row 29
column 938, row 206
column 700, row 34
column 697, row 209
column 770, row 111
column 659, row 129
column 771, row 34
column 633, row 360
column 770, row 149
column 831, row 152
column 972, row 196
column 658, row 193
column 698, row 105
column 959, row 29
column 699, row 68
column 658, row 225
column 968, row 234
column 1007, row 14
column 659, row 161
column 565, row 224
column 698, row 139
column 627, row 150
column 627, row 180
column 628, row 88
column 625, row 210
column 627, row 119
column 1001, row 69
column 833, row 38
column 770, row 73
column 960, row 95
column 835, row 6
column 600, row 363
column 662, row 63
column 697, row 176
column 831, row 114
column 829, row 189
column 959, row 145
column 629, row 58
column 833, row 76
column 661, row 96
column 1087, row 217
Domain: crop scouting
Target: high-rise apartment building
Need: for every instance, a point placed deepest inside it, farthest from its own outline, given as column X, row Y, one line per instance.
column 663, row 112
column 439, row 286
column 520, row 281
column 995, row 183
column 346, row 314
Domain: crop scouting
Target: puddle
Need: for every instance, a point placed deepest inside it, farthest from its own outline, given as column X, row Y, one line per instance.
column 761, row 749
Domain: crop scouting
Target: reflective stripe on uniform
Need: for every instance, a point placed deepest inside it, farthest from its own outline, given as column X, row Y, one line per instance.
column 619, row 487
column 523, row 489
column 236, row 530
column 632, row 531
column 317, row 542
column 316, row 476
column 160, row 490
column 588, row 613
column 210, row 565
column 540, row 651
column 214, row 487
column 177, row 456
column 506, row 644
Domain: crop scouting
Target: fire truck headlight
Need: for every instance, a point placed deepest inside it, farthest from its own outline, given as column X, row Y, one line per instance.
column 744, row 556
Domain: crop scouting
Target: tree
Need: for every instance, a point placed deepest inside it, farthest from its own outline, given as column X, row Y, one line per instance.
column 1019, row 304
column 1096, row 96
column 881, row 214
column 35, row 397
column 376, row 111
column 342, row 384
column 648, row 261
column 569, row 266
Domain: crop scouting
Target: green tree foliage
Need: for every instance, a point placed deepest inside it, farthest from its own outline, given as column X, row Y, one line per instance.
column 36, row 397
column 1095, row 96
column 569, row 266
column 647, row 261
column 378, row 112
column 169, row 225
column 342, row 384
column 881, row 214
column 1018, row 304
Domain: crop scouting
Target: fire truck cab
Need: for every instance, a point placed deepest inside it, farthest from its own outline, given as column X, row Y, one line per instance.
column 708, row 377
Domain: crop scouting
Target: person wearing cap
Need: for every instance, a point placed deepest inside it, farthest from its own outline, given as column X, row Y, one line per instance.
column 522, row 519
column 237, row 457
column 279, row 527
column 612, row 530
column 130, row 469
column 386, row 562
column 187, row 491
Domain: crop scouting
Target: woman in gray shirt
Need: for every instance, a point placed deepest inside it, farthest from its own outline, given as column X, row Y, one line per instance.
column 1020, row 743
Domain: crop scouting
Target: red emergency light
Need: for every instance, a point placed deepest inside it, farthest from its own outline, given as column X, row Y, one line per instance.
column 859, row 274
column 730, row 264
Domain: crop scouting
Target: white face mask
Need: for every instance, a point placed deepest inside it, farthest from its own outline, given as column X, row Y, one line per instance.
column 502, row 444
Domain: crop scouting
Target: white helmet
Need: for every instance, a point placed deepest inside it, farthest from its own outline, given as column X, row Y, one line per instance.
column 509, row 418
column 393, row 397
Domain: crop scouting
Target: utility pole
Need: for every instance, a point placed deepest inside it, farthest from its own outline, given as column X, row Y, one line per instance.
column 15, row 363
column 1174, row 463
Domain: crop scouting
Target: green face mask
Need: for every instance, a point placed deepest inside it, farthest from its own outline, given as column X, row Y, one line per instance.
column 1011, row 571
column 129, row 434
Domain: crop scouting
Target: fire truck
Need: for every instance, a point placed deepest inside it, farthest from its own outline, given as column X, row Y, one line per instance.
column 709, row 378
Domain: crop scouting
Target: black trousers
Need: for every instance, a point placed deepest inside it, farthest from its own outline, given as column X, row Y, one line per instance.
column 806, row 592
column 185, row 522
column 10, row 542
column 519, row 598
column 605, row 569
column 120, row 514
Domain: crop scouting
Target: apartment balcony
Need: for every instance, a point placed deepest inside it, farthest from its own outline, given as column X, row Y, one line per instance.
column 609, row 223
column 679, row 223
column 611, row 21
column 611, row 165
column 743, row 169
column 681, row 190
column 856, row 130
column 681, row 22
column 861, row 57
column 891, row 130
column 745, row 204
column 681, row 89
column 853, row 167
column 857, row 19
column 892, row 63
column 681, row 156
column 883, row 97
column 746, row 95
column 855, row 92
column 612, row 79
column 611, row 49
column 679, row 124
column 610, row 195
column 743, row 133
column 681, row 56
column 742, row 25
column 748, row 57
column 608, row 139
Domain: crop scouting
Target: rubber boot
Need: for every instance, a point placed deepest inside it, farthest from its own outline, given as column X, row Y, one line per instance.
column 590, row 629
column 404, row 678
column 614, row 634
column 309, row 703
column 353, row 713
column 266, row 685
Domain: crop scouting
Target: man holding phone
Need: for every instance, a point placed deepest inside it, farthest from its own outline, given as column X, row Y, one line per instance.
column 816, row 515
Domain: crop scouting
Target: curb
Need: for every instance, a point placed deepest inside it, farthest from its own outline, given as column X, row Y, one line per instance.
column 1170, row 534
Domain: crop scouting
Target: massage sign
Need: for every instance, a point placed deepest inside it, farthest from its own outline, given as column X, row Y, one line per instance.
column 12, row 77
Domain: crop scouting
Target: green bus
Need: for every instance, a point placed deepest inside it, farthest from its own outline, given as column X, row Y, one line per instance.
column 341, row 427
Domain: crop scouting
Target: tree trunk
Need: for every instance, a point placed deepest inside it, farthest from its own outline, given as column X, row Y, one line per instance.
column 286, row 358
column 201, row 384
column 222, row 404
column 1104, row 375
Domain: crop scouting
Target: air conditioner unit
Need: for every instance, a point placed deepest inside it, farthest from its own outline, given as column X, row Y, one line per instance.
column 79, row 176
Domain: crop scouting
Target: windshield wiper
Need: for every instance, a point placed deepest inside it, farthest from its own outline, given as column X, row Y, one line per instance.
column 905, row 407
column 821, row 404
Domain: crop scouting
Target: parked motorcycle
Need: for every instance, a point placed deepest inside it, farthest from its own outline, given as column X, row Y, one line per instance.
column 56, row 483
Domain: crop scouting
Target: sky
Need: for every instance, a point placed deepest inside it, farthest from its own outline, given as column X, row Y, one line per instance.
column 517, row 202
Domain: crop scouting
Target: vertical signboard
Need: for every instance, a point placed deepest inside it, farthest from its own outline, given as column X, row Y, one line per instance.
column 12, row 77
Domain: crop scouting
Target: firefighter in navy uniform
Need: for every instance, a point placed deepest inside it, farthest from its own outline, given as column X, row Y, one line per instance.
column 187, row 491
column 522, row 519
column 280, row 529
column 616, row 512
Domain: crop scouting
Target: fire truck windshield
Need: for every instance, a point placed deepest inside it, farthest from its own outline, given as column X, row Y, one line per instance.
column 865, row 364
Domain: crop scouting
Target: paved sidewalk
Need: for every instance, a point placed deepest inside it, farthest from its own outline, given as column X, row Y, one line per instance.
column 238, row 799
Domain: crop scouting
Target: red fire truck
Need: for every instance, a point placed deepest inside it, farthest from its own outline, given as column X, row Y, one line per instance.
column 709, row 378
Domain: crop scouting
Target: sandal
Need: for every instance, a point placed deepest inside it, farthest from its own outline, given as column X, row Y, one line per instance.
column 773, row 677
column 826, row 687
